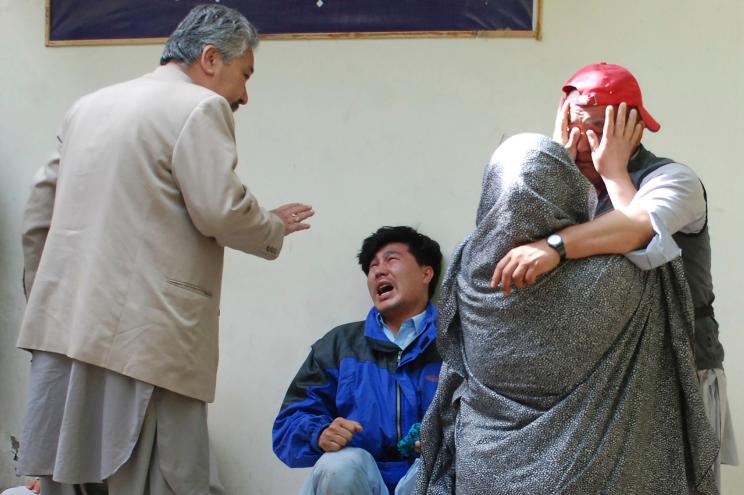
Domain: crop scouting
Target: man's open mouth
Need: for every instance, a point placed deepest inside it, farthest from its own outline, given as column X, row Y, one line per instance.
column 384, row 288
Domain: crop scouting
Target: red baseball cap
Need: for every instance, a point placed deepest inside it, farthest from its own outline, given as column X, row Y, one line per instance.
column 609, row 84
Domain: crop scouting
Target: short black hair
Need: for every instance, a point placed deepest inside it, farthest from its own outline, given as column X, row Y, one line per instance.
column 424, row 249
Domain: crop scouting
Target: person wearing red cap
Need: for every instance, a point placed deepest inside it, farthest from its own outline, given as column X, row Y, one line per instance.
column 649, row 208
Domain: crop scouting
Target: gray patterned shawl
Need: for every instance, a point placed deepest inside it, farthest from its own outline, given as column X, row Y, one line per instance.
column 580, row 384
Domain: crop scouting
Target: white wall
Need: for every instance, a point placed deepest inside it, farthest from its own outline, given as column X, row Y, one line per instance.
column 375, row 132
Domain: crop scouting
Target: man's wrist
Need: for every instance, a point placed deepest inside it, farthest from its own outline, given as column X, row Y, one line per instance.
column 317, row 435
column 612, row 169
column 621, row 190
column 619, row 177
column 555, row 241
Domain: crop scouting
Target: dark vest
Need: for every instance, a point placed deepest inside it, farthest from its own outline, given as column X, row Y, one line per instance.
column 696, row 259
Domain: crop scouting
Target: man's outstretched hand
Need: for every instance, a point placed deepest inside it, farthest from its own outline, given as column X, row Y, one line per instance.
column 522, row 265
column 338, row 434
column 293, row 216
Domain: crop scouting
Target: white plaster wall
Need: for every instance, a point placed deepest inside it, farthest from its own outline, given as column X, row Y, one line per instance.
column 375, row 132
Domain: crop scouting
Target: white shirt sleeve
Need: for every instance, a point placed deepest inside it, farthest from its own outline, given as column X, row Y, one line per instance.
column 674, row 199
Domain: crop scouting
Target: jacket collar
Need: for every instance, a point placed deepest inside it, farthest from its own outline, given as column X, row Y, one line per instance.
column 169, row 73
column 641, row 159
column 374, row 333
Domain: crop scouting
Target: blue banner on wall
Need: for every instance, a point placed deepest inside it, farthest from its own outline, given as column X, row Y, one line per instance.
column 81, row 20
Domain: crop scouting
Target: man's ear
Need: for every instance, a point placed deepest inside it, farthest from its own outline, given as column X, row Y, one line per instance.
column 428, row 274
column 210, row 57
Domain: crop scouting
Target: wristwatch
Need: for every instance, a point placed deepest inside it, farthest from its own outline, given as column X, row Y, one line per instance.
column 556, row 242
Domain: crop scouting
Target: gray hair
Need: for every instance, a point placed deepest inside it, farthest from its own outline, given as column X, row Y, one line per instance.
column 224, row 28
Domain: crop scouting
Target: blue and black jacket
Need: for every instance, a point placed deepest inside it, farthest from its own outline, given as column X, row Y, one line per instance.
column 356, row 373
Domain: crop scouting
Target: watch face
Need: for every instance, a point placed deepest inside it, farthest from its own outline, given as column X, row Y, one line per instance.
column 554, row 240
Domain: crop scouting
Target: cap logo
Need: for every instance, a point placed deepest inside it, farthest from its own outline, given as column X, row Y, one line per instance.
column 587, row 100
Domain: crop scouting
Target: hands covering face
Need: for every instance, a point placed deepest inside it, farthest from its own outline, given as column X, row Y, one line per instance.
column 619, row 140
column 563, row 134
column 621, row 134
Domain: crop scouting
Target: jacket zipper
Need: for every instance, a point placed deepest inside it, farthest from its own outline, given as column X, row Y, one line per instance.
column 399, row 426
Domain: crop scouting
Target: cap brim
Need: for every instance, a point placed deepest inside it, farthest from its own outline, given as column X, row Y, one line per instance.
column 651, row 123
